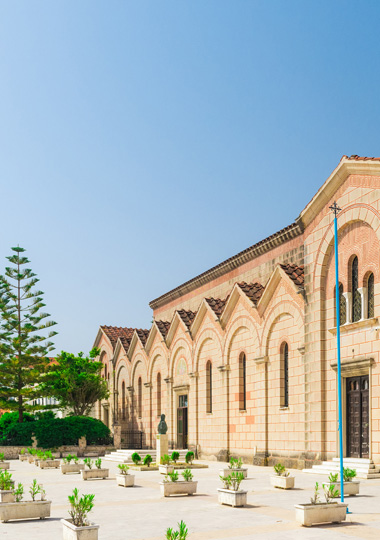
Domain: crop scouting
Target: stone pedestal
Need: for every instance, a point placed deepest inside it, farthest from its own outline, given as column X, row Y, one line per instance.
column 82, row 443
column 117, row 436
column 162, row 447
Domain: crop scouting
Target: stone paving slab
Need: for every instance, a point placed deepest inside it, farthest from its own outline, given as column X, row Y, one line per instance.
column 140, row 513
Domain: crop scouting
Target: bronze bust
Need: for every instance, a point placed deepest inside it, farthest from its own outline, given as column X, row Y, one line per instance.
column 162, row 426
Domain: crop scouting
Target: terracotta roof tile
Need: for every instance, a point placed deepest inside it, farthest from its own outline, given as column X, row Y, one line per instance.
column 163, row 327
column 143, row 335
column 296, row 273
column 217, row 305
column 187, row 316
column 355, row 157
column 115, row 332
column 252, row 290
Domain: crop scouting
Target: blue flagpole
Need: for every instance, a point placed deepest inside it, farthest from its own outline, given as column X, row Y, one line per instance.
column 336, row 209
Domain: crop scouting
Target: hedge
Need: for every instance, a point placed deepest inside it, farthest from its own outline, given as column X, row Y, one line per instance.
column 55, row 432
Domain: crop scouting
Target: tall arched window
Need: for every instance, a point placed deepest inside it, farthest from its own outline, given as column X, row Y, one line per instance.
column 284, row 375
column 371, row 296
column 139, row 397
column 123, row 400
column 105, row 371
column 356, row 296
column 209, row 387
column 158, row 394
column 342, row 306
column 242, row 382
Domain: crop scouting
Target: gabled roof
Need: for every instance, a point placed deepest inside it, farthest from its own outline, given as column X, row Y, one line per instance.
column 187, row 316
column 296, row 273
column 217, row 305
column 163, row 327
column 252, row 290
column 115, row 332
column 290, row 272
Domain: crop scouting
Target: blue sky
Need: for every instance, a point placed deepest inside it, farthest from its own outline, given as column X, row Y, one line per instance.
column 144, row 142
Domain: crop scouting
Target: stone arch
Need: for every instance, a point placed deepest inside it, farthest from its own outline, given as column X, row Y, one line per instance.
column 281, row 308
column 157, row 352
column 180, row 344
column 206, row 335
column 139, row 359
column 240, row 322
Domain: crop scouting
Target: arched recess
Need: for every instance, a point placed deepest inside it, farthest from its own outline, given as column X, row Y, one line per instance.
column 281, row 309
column 242, row 323
column 123, row 397
column 203, row 337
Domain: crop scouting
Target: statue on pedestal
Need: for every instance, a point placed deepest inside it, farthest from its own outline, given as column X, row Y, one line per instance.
column 162, row 426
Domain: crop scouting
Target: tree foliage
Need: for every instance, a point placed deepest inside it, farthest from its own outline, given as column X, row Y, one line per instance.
column 23, row 350
column 76, row 382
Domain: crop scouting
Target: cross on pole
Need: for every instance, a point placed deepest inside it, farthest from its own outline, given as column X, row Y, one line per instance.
column 335, row 209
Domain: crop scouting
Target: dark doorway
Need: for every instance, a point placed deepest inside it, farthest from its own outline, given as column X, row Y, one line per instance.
column 358, row 417
column 182, row 422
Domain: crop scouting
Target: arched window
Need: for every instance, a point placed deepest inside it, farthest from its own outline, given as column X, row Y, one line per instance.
column 139, row 397
column 342, row 306
column 371, row 296
column 284, row 375
column 105, row 371
column 123, row 400
column 356, row 296
column 209, row 387
column 158, row 394
column 242, row 382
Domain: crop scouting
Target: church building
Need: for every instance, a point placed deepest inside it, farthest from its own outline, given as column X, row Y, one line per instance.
column 242, row 359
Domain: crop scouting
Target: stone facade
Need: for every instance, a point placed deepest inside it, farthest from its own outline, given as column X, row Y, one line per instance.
column 252, row 342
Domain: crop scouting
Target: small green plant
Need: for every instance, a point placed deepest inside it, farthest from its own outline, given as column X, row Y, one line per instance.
column 226, row 481
column 34, row 489
column 88, row 462
column 136, row 458
column 187, row 474
column 333, row 478
column 165, row 459
column 98, row 463
column 173, row 476
column 123, row 467
column 19, row 492
column 181, row 534
column 175, row 456
column 70, row 458
column 6, row 482
column 279, row 469
column 331, row 492
column 348, row 474
column 1, row 456
column 147, row 460
column 48, row 455
column 22, row 452
column 235, row 463
column 189, row 457
column 315, row 498
column 80, row 507
column 236, row 480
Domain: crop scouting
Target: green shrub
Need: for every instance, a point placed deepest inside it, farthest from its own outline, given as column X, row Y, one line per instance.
column 187, row 475
column 165, row 459
column 189, row 457
column 80, row 507
column 8, row 419
column 175, row 456
column 136, row 458
column 147, row 460
column 181, row 534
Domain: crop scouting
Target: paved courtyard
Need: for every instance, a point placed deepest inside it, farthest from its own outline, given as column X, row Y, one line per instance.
column 140, row 513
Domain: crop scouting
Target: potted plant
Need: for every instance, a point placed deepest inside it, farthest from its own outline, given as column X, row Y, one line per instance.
column 136, row 458
column 235, row 465
column 34, row 509
column 181, row 534
column 164, row 466
column 97, row 473
column 230, row 494
column 175, row 457
column 48, row 462
column 3, row 464
column 124, row 479
column 23, row 455
column 74, row 467
column 317, row 512
column 147, row 460
column 6, row 487
column 31, row 454
column 281, row 479
column 171, row 485
column 350, row 486
column 78, row 527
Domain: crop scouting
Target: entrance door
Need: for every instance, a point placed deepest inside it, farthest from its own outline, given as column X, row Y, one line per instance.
column 182, row 422
column 358, row 417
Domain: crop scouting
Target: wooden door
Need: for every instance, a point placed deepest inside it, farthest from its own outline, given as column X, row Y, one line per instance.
column 182, row 428
column 358, row 417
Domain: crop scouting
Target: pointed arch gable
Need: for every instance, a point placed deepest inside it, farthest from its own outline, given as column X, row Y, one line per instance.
column 181, row 348
column 236, row 296
column 139, row 359
column 278, row 276
column 278, row 310
column 241, row 323
column 208, row 334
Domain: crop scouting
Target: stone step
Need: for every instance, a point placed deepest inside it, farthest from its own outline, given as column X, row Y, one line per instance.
column 125, row 456
column 365, row 468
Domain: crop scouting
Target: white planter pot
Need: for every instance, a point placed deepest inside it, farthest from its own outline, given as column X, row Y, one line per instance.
column 228, row 471
column 25, row 510
column 7, row 496
column 94, row 473
column 314, row 514
column 232, row 498
column 22, row 457
column 282, row 482
column 67, row 468
column 125, row 480
column 4, row 464
column 178, row 488
column 349, row 488
column 49, row 464
column 70, row 532
column 166, row 469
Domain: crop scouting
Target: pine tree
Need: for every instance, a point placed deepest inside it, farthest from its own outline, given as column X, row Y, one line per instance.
column 23, row 350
